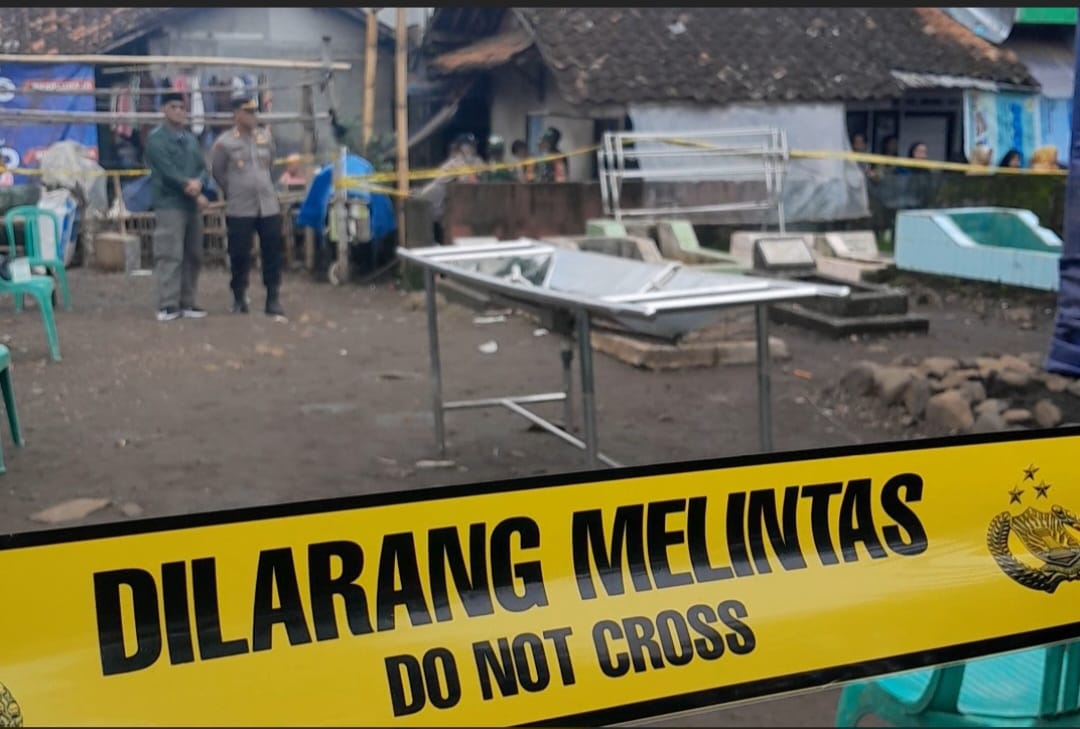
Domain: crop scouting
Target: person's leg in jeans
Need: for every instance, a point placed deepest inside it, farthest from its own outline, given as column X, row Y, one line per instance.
column 168, row 258
column 240, row 231
column 269, row 229
column 193, row 255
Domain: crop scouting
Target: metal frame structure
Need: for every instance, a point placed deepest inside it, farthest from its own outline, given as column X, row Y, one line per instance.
column 751, row 154
column 572, row 314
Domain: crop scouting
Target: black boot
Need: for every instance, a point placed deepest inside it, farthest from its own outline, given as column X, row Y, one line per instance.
column 239, row 305
column 273, row 306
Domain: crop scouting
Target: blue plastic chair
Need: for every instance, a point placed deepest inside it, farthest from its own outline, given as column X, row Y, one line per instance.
column 31, row 216
column 1032, row 688
column 9, row 401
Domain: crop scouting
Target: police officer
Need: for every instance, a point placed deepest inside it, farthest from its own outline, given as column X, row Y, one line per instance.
column 241, row 165
column 496, row 152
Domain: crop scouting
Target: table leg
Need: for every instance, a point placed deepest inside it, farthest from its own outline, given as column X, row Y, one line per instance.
column 436, row 368
column 764, row 365
column 588, row 394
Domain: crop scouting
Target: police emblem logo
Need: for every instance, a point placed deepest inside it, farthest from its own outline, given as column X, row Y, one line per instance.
column 10, row 713
column 1050, row 537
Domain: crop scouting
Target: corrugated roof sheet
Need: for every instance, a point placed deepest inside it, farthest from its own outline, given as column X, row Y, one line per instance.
column 487, row 53
column 1051, row 63
column 942, row 81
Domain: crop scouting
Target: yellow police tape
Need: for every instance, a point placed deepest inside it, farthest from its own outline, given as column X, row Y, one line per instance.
column 584, row 599
column 371, row 182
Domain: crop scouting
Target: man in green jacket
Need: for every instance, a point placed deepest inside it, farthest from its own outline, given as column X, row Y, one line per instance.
column 177, row 170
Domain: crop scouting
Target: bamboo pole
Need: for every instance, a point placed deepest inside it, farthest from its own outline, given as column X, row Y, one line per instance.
column 118, row 89
column 371, row 57
column 216, row 119
column 328, row 66
column 401, row 122
column 119, row 192
column 307, row 105
column 105, row 60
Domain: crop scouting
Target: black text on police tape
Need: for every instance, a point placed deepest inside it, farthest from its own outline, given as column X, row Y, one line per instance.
column 483, row 574
column 528, row 663
column 494, row 569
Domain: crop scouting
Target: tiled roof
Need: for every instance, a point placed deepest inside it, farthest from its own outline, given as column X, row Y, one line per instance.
column 724, row 55
column 37, row 30
column 44, row 30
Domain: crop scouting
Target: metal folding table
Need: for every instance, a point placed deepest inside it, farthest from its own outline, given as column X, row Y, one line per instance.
column 569, row 288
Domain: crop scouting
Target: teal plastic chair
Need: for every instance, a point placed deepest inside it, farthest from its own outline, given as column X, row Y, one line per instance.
column 41, row 288
column 31, row 216
column 1032, row 688
column 9, row 401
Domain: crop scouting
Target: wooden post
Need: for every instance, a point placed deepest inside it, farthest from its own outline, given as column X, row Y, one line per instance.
column 118, row 191
column 371, row 58
column 401, row 122
column 339, row 216
column 328, row 66
column 307, row 102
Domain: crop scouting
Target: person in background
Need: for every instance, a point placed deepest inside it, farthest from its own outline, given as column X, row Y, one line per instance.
column 550, row 170
column 242, row 158
column 858, row 146
column 916, row 151
column 980, row 157
column 177, row 169
column 1045, row 158
column 888, row 149
column 496, row 152
column 293, row 177
column 462, row 154
column 1012, row 159
column 520, row 152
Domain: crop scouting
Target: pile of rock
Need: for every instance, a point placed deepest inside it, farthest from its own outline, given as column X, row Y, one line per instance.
column 980, row 395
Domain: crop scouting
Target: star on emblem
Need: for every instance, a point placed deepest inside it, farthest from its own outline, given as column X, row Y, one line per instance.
column 1029, row 472
column 1014, row 495
column 1041, row 490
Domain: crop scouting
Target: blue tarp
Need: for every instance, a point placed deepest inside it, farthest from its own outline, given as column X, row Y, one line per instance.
column 313, row 210
column 20, row 145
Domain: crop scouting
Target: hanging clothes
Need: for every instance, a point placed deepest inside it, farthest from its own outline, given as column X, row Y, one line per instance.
column 147, row 102
column 121, row 103
column 266, row 97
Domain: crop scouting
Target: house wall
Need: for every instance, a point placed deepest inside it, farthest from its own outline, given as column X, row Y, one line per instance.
column 293, row 33
column 515, row 95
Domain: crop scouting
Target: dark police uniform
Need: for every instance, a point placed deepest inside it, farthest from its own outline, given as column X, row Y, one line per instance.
column 241, row 164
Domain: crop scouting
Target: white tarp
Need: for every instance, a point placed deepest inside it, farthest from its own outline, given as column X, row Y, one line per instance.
column 814, row 190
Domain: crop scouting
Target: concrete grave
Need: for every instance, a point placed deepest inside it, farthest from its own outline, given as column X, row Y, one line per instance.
column 783, row 254
column 742, row 242
column 851, row 255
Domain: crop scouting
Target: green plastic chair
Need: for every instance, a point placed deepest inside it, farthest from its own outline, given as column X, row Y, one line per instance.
column 31, row 215
column 1032, row 688
column 9, row 401
column 41, row 288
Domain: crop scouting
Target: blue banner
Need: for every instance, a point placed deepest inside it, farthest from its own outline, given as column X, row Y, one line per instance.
column 1056, row 125
column 1002, row 121
column 22, row 144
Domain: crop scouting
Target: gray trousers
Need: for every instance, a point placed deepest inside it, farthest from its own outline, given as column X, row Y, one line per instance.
column 178, row 253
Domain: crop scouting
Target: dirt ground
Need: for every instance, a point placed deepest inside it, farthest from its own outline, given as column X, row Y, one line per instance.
column 233, row 411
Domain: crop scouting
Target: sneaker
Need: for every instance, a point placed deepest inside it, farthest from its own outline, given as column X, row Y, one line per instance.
column 193, row 312
column 168, row 313
column 239, row 306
